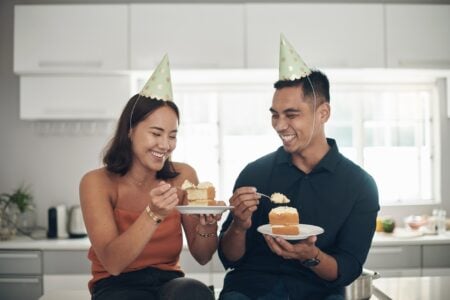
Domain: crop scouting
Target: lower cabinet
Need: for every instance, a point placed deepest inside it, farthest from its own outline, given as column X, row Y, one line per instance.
column 66, row 270
column 20, row 274
column 28, row 274
column 410, row 260
column 395, row 261
column 436, row 260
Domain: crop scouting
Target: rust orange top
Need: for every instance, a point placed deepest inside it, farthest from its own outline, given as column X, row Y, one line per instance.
column 162, row 251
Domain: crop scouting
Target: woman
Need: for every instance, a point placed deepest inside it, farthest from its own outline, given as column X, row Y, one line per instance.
column 129, row 207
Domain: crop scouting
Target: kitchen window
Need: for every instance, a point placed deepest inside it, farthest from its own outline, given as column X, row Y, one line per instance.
column 387, row 128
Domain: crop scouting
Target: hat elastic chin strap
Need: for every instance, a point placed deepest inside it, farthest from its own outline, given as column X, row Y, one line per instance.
column 314, row 114
column 132, row 110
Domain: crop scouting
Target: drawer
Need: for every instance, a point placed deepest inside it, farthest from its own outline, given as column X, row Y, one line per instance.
column 66, row 262
column 393, row 257
column 20, row 287
column 436, row 256
column 20, row 262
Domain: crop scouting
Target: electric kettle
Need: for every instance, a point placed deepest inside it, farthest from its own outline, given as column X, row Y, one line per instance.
column 57, row 222
column 77, row 228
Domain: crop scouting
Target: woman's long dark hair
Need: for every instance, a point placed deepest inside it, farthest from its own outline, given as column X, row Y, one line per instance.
column 118, row 153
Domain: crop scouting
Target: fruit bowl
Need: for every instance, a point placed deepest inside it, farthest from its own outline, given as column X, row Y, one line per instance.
column 415, row 222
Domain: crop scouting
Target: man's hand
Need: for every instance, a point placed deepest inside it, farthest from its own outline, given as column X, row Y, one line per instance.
column 302, row 250
column 245, row 201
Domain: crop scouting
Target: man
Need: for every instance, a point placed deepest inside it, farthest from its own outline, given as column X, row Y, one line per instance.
column 327, row 189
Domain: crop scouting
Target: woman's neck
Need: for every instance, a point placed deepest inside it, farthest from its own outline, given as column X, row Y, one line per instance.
column 141, row 178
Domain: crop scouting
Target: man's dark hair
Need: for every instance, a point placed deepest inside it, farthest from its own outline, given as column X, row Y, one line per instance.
column 118, row 153
column 318, row 79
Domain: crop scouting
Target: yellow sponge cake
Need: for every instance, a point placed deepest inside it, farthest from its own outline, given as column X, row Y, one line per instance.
column 203, row 193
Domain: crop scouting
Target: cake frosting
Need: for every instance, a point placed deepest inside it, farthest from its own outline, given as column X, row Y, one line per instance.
column 279, row 198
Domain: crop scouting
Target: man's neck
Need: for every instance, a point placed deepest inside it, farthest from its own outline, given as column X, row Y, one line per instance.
column 307, row 159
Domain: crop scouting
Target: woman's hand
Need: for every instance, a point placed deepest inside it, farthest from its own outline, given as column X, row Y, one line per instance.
column 163, row 199
column 210, row 219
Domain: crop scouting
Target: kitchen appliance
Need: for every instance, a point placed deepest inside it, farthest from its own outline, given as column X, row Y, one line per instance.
column 77, row 229
column 57, row 222
column 361, row 288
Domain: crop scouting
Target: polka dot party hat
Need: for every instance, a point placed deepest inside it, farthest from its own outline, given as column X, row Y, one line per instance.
column 291, row 65
column 159, row 85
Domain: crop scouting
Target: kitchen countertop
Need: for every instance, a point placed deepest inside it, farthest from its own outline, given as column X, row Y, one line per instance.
column 24, row 242
column 403, row 236
column 414, row 288
column 380, row 239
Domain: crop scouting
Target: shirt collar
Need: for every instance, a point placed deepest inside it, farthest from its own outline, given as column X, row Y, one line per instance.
column 328, row 162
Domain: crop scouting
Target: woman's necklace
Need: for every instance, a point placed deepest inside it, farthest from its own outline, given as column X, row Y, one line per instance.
column 139, row 183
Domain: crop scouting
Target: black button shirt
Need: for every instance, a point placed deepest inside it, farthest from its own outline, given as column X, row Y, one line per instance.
column 336, row 195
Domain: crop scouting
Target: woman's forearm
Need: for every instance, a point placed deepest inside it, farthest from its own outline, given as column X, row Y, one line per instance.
column 121, row 251
column 205, row 243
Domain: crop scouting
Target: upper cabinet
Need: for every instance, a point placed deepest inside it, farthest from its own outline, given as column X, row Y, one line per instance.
column 418, row 36
column 325, row 35
column 194, row 35
column 73, row 97
column 107, row 38
column 60, row 38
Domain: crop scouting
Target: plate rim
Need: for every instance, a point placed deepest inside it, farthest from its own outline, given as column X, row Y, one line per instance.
column 208, row 209
column 291, row 237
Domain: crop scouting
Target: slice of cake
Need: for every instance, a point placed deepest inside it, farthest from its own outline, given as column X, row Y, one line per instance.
column 202, row 194
column 284, row 220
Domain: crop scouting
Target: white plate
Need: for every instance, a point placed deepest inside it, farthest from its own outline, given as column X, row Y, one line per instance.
column 206, row 210
column 305, row 231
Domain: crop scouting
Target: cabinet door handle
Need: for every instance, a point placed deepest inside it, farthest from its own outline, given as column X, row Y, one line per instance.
column 74, row 111
column 19, row 280
column 386, row 250
column 67, row 63
column 421, row 63
column 19, row 255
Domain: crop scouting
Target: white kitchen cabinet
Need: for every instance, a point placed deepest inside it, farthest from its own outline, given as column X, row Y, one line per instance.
column 436, row 260
column 73, row 97
column 66, row 270
column 193, row 35
column 68, row 38
column 325, row 35
column 20, row 274
column 393, row 261
column 418, row 36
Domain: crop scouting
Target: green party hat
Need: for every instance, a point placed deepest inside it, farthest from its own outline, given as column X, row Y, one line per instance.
column 291, row 64
column 159, row 86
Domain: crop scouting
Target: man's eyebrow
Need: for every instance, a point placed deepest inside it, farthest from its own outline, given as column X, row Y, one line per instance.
column 289, row 110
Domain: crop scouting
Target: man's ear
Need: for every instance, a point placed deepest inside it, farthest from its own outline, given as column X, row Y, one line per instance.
column 324, row 112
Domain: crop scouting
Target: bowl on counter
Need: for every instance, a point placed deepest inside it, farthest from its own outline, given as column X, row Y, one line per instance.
column 415, row 222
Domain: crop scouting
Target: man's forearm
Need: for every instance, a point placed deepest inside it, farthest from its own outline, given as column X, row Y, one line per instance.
column 233, row 243
column 327, row 268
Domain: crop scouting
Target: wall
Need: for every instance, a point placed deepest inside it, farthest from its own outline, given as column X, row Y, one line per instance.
column 54, row 163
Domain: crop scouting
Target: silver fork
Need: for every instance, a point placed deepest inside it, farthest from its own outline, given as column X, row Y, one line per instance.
column 264, row 195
